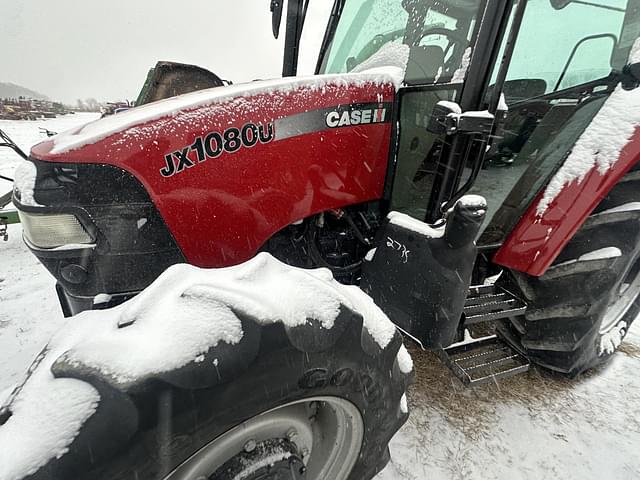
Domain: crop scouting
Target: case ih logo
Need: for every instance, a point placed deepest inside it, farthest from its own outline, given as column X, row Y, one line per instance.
column 356, row 116
column 213, row 144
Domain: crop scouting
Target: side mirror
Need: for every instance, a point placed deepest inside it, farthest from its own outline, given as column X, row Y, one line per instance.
column 276, row 16
column 447, row 117
column 439, row 121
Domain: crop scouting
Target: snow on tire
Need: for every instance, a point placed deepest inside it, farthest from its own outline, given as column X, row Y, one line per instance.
column 580, row 310
column 256, row 369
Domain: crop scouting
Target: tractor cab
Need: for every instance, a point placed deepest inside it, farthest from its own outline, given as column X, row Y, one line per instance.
column 542, row 68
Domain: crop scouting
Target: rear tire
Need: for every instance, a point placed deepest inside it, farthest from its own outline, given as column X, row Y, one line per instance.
column 581, row 308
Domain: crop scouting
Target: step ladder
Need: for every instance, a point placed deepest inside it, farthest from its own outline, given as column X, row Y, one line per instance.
column 482, row 361
column 487, row 359
column 490, row 302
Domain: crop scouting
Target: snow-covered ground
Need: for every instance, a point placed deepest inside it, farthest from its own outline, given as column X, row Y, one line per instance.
column 533, row 426
column 27, row 133
column 537, row 425
column 29, row 312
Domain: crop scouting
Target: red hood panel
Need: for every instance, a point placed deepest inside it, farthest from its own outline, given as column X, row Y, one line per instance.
column 229, row 167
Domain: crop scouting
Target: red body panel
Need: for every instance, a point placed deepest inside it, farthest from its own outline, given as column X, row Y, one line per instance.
column 222, row 210
column 537, row 240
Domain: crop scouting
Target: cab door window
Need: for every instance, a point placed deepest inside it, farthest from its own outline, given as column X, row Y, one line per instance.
column 563, row 67
column 567, row 46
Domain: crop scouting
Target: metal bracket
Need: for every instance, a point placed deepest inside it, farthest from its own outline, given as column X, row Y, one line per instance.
column 7, row 217
column 447, row 118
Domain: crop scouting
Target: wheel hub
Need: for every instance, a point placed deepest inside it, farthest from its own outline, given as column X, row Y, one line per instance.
column 274, row 459
column 317, row 437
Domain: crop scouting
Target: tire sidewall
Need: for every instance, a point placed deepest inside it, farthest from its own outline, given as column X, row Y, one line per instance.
column 279, row 376
column 627, row 318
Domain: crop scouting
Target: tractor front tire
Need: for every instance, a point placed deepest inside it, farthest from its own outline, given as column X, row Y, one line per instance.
column 580, row 310
column 291, row 403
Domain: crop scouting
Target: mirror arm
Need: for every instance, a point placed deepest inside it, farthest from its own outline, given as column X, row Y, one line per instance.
column 477, row 166
column 276, row 17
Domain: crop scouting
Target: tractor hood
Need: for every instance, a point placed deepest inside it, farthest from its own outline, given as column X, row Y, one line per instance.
column 244, row 161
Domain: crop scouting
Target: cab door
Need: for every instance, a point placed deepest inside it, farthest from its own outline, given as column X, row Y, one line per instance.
column 567, row 60
column 447, row 42
column 449, row 61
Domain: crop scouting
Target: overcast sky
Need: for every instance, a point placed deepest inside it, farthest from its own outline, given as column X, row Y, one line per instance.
column 70, row 49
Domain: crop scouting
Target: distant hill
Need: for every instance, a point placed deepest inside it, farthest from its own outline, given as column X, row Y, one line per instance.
column 11, row 90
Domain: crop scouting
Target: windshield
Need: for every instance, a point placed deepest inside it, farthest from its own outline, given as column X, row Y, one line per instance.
column 437, row 32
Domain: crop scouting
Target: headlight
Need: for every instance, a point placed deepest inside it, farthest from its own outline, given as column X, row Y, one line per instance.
column 53, row 230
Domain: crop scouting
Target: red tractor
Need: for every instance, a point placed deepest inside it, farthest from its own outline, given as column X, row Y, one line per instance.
column 377, row 168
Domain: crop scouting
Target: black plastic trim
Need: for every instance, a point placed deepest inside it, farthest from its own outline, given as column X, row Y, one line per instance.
column 133, row 245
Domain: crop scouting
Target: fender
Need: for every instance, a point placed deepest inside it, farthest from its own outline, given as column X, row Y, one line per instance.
column 229, row 167
column 537, row 240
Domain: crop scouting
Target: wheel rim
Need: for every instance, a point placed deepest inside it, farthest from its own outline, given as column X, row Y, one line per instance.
column 326, row 432
column 628, row 294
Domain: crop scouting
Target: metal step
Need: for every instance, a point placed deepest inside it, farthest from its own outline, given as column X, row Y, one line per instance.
column 484, row 360
column 489, row 302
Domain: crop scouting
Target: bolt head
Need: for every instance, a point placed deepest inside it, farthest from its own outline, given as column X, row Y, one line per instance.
column 250, row 446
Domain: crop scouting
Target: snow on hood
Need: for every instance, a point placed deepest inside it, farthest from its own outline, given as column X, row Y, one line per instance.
column 600, row 144
column 183, row 314
column 102, row 128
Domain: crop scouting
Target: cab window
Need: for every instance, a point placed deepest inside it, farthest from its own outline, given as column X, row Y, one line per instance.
column 438, row 33
column 568, row 46
column 563, row 68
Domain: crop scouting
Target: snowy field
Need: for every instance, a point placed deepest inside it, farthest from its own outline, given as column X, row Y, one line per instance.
column 534, row 426
column 29, row 311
